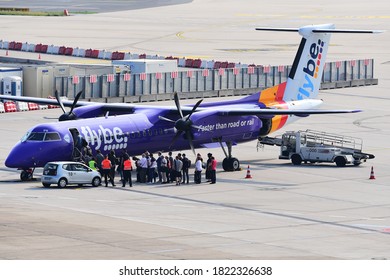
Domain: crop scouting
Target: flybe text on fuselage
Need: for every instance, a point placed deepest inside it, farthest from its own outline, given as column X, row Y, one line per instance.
column 105, row 138
column 311, row 70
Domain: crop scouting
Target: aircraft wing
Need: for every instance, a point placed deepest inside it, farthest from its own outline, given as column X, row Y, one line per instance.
column 274, row 112
column 111, row 107
column 220, row 110
column 44, row 101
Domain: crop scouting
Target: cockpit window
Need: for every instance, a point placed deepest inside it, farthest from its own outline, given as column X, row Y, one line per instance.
column 41, row 136
column 36, row 136
column 52, row 136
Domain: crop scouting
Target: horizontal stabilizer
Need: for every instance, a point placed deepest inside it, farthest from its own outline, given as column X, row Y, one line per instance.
column 314, row 29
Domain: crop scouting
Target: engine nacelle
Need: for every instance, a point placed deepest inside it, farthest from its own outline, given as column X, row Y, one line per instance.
column 266, row 127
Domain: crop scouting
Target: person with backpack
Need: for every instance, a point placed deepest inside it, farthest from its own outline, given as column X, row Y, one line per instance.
column 186, row 165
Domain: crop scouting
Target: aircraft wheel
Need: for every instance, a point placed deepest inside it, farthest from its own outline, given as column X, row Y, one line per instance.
column 230, row 164
column 96, row 182
column 62, row 183
column 296, row 159
column 26, row 175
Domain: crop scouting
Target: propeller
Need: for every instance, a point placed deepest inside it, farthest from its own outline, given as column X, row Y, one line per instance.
column 66, row 116
column 184, row 124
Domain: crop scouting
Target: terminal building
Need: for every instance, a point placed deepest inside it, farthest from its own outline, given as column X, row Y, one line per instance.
column 123, row 77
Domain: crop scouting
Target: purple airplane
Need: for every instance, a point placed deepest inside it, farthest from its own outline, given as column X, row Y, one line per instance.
column 137, row 128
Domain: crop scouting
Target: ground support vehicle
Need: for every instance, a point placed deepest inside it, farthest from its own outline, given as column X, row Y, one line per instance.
column 312, row 146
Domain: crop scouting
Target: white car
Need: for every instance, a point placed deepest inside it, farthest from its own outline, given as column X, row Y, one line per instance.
column 63, row 173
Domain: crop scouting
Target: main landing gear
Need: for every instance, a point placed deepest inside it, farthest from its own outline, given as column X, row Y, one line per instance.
column 229, row 163
column 27, row 175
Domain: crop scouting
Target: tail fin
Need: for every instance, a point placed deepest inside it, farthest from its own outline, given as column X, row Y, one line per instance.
column 305, row 76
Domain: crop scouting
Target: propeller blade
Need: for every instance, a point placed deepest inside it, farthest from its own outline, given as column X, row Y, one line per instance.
column 177, row 102
column 165, row 119
column 196, row 126
column 75, row 101
column 60, row 101
column 194, row 109
column 189, row 138
column 177, row 135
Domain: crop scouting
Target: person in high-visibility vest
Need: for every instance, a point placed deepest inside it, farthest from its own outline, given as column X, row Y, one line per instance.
column 106, row 168
column 126, row 169
column 92, row 164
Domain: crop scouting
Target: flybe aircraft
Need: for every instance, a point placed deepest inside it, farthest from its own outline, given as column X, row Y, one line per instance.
column 136, row 128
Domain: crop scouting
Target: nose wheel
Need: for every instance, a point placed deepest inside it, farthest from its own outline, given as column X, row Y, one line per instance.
column 27, row 175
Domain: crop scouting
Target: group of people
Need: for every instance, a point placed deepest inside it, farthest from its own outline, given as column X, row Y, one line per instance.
column 152, row 169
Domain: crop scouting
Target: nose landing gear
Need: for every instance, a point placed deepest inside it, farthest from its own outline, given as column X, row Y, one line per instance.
column 27, row 174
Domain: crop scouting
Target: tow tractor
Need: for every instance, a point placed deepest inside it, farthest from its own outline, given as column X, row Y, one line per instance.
column 312, row 146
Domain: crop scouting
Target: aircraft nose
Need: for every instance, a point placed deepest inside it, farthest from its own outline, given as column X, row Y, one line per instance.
column 22, row 156
column 25, row 155
column 14, row 158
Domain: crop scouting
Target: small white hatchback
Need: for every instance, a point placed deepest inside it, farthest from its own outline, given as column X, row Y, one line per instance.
column 63, row 173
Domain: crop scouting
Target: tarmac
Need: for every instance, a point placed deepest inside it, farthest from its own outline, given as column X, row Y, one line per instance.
column 283, row 212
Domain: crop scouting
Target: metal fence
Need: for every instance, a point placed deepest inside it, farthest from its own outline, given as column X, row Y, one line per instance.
column 190, row 80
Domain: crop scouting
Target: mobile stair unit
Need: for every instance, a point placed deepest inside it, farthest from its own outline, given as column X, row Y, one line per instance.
column 312, row 146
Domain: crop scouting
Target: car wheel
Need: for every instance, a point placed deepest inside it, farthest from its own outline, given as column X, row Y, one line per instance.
column 62, row 183
column 46, row 185
column 96, row 182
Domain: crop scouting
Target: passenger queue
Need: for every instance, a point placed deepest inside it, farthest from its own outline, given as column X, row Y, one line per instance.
column 151, row 169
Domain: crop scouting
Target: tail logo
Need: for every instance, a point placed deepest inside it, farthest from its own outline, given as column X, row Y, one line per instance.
column 311, row 69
